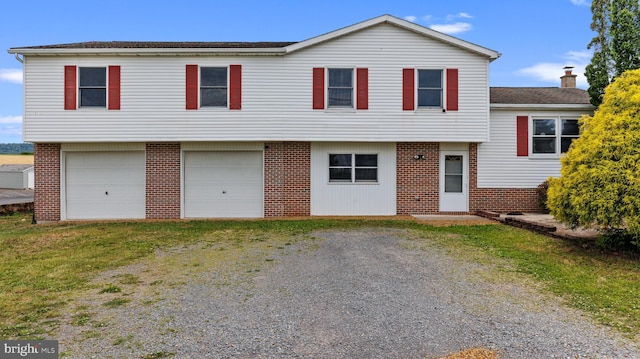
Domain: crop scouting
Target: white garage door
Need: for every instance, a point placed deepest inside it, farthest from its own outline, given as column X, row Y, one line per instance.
column 223, row 184
column 105, row 185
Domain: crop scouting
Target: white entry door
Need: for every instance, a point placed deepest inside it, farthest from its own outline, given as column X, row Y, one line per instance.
column 454, row 183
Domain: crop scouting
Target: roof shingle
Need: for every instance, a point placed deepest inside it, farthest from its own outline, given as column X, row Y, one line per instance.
column 538, row 95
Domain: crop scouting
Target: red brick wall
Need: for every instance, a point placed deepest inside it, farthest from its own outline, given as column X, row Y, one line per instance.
column 417, row 189
column 47, row 182
column 163, row 180
column 287, row 179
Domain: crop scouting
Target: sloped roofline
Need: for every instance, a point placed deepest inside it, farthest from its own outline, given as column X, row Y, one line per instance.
column 389, row 19
column 219, row 48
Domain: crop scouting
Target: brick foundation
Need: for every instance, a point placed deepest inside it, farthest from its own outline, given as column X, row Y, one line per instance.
column 287, row 179
column 163, row 180
column 47, row 182
column 417, row 190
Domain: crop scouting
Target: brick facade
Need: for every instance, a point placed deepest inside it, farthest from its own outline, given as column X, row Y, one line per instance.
column 287, row 182
column 163, row 180
column 47, row 182
column 417, row 190
column 287, row 179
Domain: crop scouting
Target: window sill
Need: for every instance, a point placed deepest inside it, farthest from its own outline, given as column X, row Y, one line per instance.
column 354, row 183
column 340, row 110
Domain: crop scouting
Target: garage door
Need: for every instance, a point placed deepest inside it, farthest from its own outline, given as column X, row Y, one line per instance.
column 105, row 185
column 221, row 184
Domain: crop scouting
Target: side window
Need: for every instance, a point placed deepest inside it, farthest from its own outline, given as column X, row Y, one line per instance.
column 430, row 88
column 340, row 89
column 570, row 131
column 213, row 87
column 544, row 136
column 352, row 168
column 553, row 136
column 93, row 86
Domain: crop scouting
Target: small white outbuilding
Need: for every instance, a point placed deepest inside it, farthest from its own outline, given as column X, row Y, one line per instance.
column 16, row 176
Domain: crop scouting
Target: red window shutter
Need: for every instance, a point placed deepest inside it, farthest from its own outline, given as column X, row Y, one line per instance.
column 318, row 88
column 362, row 92
column 522, row 136
column 452, row 89
column 192, row 87
column 408, row 89
column 114, row 88
column 70, row 89
column 235, row 87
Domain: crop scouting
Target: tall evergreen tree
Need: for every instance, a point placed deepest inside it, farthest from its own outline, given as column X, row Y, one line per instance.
column 616, row 46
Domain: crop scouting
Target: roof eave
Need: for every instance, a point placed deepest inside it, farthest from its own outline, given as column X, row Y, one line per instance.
column 149, row 51
column 542, row 106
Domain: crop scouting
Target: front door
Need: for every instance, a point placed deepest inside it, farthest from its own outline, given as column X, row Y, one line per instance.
column 454, row 184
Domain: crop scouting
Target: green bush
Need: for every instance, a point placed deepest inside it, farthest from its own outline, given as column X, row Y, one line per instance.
column 599, row 183
column 541, row 190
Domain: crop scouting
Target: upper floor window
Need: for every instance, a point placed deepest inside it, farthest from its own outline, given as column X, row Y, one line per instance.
column 340, row 89
column 213, row 86
column 93, row 86
column 209, row 86
column 553, row 136
column 96, row 87
column 430, row 88
column 351, row 167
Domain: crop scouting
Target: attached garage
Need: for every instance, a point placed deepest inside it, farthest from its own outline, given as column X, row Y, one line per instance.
column 223, row 184
column 104, row 184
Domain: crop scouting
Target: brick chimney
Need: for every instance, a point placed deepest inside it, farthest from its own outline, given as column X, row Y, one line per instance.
column 568, row 80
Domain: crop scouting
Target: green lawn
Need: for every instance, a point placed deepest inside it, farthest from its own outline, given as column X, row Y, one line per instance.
column 44, row 267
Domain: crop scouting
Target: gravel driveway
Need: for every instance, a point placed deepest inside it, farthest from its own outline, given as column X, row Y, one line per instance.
column 350, row 294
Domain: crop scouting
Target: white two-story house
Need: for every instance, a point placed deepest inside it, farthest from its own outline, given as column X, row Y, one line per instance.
column 384, row 117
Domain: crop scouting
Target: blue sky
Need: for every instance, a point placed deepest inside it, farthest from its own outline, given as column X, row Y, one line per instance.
column 536, row 38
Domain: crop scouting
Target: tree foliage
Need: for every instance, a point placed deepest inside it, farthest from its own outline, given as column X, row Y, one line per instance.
column 616, row 46
column 600, row 175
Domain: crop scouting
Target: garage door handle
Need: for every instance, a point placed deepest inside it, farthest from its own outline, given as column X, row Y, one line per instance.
column 107, row 193
column 223, row 192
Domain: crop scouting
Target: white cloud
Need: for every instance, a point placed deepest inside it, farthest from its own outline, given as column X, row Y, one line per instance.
column 411, row 18
column 456, row 28
column 11, row 75
column 5, row 120
column 580, row 2
column 10, row 129
column 551, row 71
column 462, row 15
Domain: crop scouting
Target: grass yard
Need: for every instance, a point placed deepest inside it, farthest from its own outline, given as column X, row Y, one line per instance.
column 16, row 159
column 44, row 267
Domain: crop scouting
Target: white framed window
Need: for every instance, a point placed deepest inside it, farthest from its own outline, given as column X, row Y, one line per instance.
column 430, row 88
column 352, row 167
column 340, row 88
column 93, row 86
column 553, row 136
column 213, row 87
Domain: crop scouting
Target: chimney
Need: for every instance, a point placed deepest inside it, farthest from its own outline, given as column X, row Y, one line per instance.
column 568, row 80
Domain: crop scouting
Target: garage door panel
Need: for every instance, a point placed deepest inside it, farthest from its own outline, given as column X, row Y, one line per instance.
column 223, row 184
column 105, row 185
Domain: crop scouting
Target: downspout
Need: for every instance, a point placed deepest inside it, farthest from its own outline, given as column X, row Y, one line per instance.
column 21, row 60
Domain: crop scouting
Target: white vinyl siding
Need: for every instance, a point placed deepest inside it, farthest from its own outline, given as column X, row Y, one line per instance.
column 276, row 96
column 498, row 164
column 353, row 198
